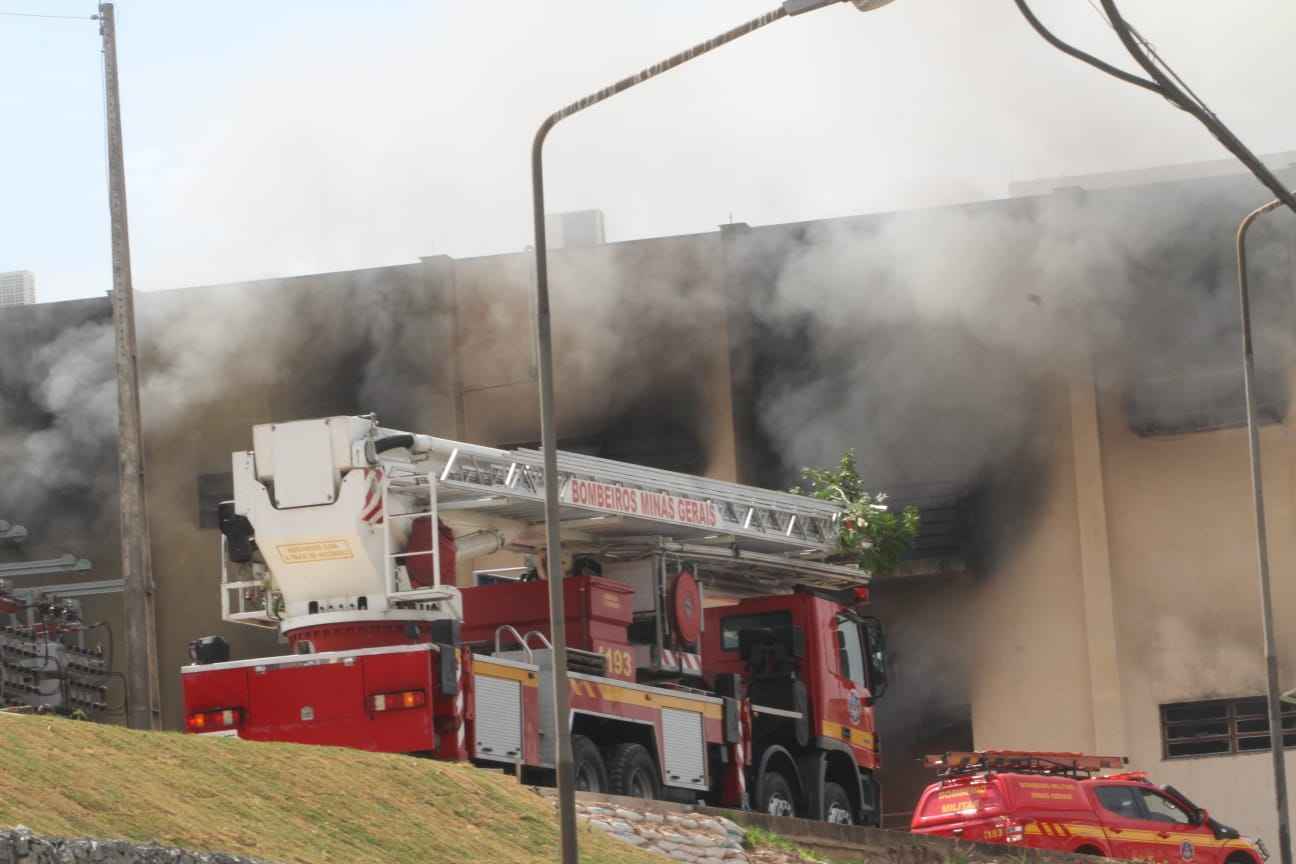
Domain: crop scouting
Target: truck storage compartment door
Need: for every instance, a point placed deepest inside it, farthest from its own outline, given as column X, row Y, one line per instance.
column 308, row 703
column 498, row 708
column 683, row 749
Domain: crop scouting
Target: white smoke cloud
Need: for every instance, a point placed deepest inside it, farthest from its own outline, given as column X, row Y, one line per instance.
column 76, row 389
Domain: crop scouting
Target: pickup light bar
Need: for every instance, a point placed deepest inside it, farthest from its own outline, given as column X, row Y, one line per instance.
column 214, row 721
column 397, row 701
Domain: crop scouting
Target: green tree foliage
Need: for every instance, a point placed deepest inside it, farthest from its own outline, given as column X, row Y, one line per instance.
column 872, row 535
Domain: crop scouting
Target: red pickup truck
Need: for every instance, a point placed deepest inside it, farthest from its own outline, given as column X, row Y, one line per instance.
column 1059, row 801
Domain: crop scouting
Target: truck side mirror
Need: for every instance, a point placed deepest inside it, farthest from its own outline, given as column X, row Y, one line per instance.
column 875, row 637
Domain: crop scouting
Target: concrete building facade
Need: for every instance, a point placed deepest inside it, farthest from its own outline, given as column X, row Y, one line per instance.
column 1052, row 379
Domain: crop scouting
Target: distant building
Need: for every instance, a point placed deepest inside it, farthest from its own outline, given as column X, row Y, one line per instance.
column 17, row 288
column 578, row 228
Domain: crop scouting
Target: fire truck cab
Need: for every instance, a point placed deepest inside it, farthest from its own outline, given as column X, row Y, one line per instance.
column 713, row 652
column 814, row 665
column 1058, row 801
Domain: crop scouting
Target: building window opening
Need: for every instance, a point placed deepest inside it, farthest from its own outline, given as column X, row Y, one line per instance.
column 1221, row 727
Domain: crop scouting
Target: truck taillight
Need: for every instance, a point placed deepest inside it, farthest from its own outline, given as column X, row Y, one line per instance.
column 1014, row 830
column 214, row 721
column 397, row 701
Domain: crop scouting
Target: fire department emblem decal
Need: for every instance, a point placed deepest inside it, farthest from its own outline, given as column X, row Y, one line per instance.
column 1186, row 851
column 854, row 706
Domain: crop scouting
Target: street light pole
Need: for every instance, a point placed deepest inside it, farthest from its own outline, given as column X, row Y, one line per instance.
column 544, row 346
column 1262, row 541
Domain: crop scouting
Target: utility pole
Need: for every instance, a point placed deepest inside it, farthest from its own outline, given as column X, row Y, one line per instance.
column 141, row 632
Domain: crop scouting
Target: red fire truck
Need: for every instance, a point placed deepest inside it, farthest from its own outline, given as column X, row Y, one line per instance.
column 1060, row 801
column 714, row 652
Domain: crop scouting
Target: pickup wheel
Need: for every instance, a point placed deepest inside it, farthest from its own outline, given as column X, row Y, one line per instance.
column 837, row 805
column 774, row 795
column 633, row 772
column 590, row 774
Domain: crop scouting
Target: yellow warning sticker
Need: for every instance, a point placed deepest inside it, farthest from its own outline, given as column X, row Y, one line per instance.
column 318, row 550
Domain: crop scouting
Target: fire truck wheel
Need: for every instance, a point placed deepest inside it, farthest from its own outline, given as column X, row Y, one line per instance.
column 837, row 805
column 633, row 772
column 587, row 764
column 774, row 795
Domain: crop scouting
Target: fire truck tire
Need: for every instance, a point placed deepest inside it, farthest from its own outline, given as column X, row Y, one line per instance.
column 632, row 772
column 587, row 766
column 775, row 796
column 837, row 805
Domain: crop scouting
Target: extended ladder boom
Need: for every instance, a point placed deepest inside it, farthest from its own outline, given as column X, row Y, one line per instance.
column 347, row 520
column 632, row 501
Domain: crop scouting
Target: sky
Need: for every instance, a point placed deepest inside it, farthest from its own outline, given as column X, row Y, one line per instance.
column 291, row 137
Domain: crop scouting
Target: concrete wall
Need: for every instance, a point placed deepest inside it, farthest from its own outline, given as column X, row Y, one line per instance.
column 59, row 479
column 1030, row 675
column 640, row 348
column 1187, row 599
column 1069, row 660
column 20, row 846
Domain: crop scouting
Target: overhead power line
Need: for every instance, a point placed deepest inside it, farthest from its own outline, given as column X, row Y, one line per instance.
column 1165, row 82
column 42, row 15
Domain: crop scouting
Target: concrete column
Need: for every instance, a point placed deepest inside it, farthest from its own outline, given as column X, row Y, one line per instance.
column 439, row 280
column 736, row 411
column 1095, row 572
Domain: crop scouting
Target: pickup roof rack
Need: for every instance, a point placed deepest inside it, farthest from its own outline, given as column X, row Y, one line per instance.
column 1078, row 765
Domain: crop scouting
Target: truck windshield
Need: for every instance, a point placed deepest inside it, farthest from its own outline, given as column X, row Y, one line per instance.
column 1162, row 809
column 730, row 627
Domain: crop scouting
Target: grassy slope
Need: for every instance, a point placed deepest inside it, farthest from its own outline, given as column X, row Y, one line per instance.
column 282, row 802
